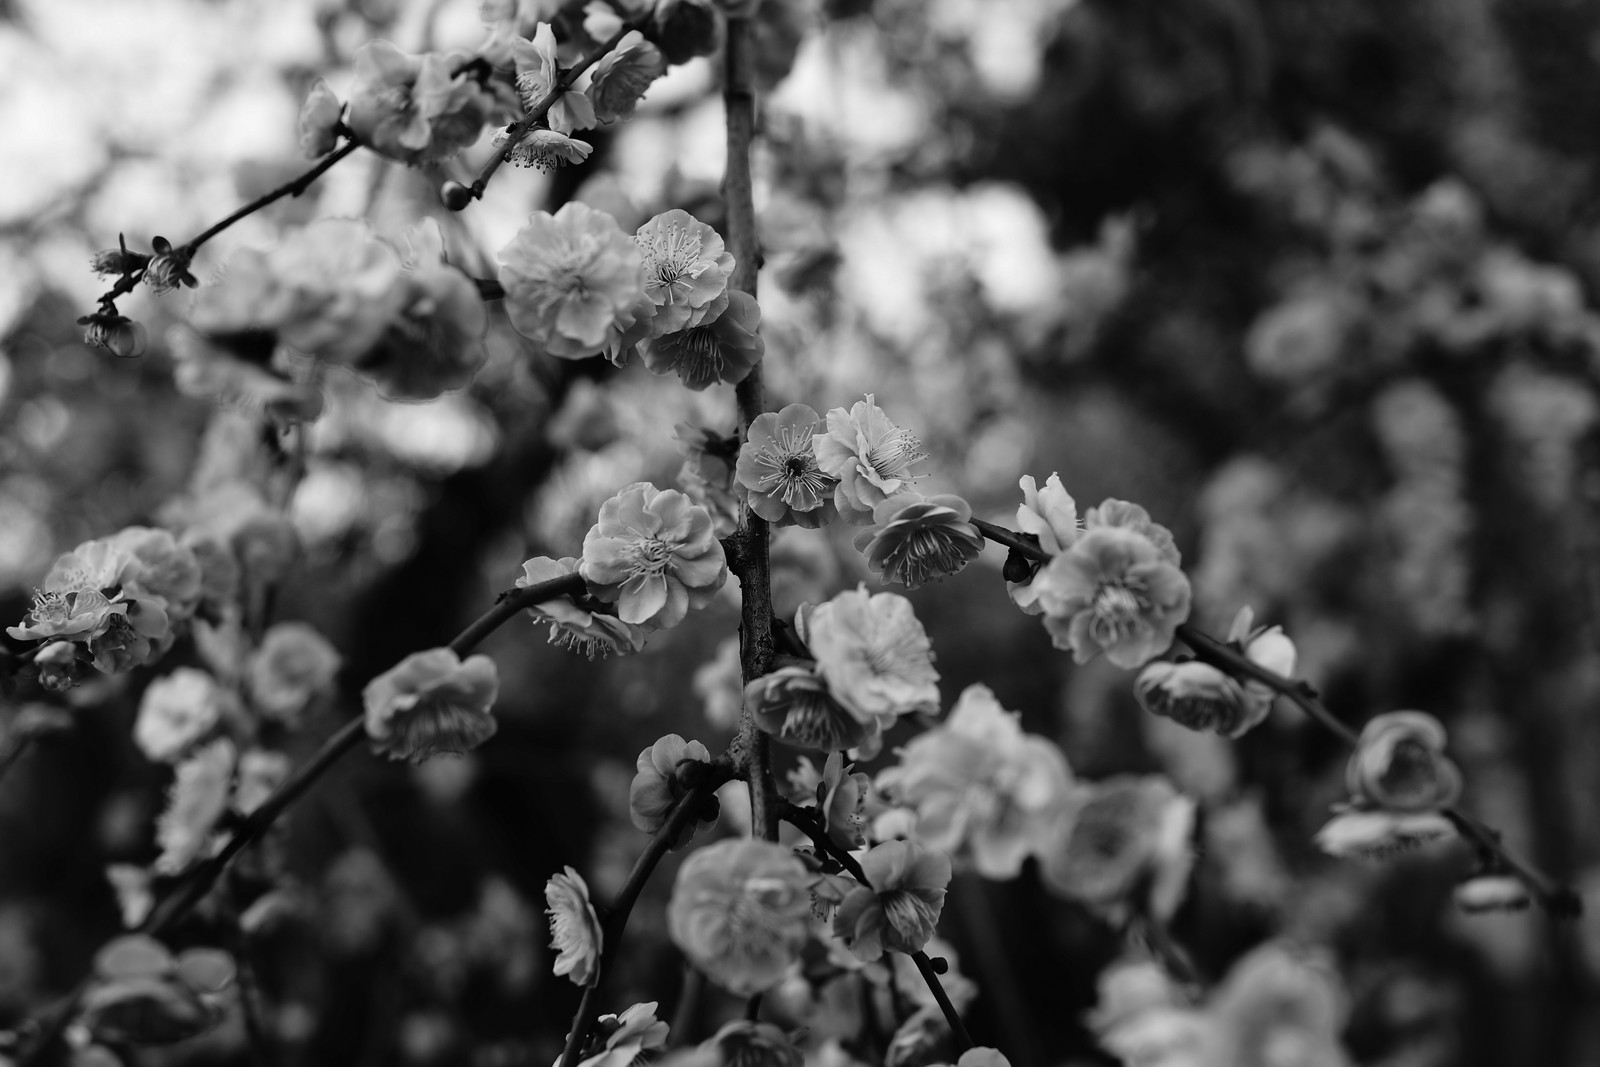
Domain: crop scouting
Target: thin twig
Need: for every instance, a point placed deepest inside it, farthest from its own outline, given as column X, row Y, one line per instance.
column 1551, row 894
column 294, row 187
column 687, row 810
column 807, row 821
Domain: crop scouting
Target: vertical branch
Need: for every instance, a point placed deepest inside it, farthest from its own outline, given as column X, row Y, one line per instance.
column 749, row 557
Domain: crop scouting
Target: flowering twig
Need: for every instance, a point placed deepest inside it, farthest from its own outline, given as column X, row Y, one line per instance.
column 202, row 878
column 464, row 195
column 1552, row 895
column 748, row 546
column 807, row 822
column 293, row 187
column 687, row 810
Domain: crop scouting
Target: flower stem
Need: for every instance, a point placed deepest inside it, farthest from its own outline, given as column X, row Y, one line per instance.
column 616, row 916
column 806, row 821
column 290, row 188
column 520, row 129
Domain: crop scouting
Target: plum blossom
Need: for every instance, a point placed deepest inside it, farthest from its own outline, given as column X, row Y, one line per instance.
column 1377, row 834
column 544, row 150
column 580, row 627
column 839, row 798
column 320, row 118
column 1115, row 592
column 742, row 1043
column 778, row 468
column 1399, row 764
column 1133, row 517
column 333, row 287
column 1196, row 695
column 708, row 474
column 575, row 931
column 115, row 333
column 653, row 554
column 622, row 75
column 626, row 1036
column 1277, row 1005
column 873, row 653
column 572, row 280
column 199, row 797
column 431, row 703
column 658, row 786
column 176, row 711
column 418, row 109
column 919, row 539
column 162, row 569
column 1125, row 835
column 900, row 906
column 741, row 912
column 686, row 268
column 434, row 342
column 1051, row 516
column 870, row 456
column 293, row 664
column 982, row 790
column 261, row 772
column 538, row 71
column 723, row 347
column 1265, row 646
column 795, row 705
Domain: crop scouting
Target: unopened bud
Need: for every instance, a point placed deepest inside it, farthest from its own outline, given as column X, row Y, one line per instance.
column 455, row 195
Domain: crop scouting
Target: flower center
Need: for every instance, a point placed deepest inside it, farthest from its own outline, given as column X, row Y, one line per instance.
column 890, row 457
column 651, row 555
column 1117, row 610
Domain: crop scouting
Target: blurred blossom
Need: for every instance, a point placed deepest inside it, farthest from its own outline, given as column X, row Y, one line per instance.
column 1399, row 764
column 900, row 906
column 588, row 630
column 1381, row 834
column 1277, row 1005
column 1267, row 647
column 1121, row 513
column 261, row 772
column 741, row 912
column 1114, row 591
column 622, row 75
column 777, row 466
column 654, row 554
column 983, row 791
column 657, row 787
column 686, row 28
column 434, row 343
column 686, row 268
column 320, row 118
column 1051, row 516
column 176, row 711
column 431, row 703
column 1196, row 695
column 572, row 280
column 293, row 665
column 1125, row 836
column 131, row 884
column 1300, row 338
column 707, row 476
column 794, row 705
column 627, row 1037
column 916, row 539
column 199, row 797
column 1492, row 892
column 717, row 683
column 538, row 71
column 574, row 928
column 873, row 653
column 418, row 109
column 839, row 798
column 333, row 288
column 741, row 1043
column 869, row 455
column 723, row 347
column 360, row 900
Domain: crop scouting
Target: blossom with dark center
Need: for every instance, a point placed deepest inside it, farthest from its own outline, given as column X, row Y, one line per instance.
column 778, row 466
column 578, row 627
column 1113, row 591
column 169, row 267
column 1196, row 695
column 653, row 554
column 622, row 75
column 899, row 908
column 793, row 704
column 1376, row 834
column 686, row 270
column 1399, row 764
column 724, row 347
column 919, row 539
column 115, row 333
column 431, row 703
column 538, row 72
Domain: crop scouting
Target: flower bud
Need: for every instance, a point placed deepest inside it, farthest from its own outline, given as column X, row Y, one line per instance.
column 1399, row 764
column 455, row 196
column 1196, row 695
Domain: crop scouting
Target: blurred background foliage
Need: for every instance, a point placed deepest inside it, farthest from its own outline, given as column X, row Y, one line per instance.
column 1311, row 279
